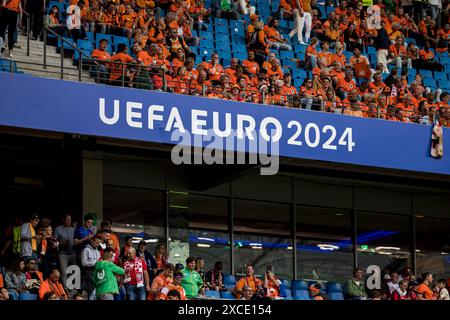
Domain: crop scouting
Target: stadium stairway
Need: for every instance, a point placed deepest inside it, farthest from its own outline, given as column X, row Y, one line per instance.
column 33, row 64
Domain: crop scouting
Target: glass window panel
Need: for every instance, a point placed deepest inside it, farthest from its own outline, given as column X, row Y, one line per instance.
column 262, row 237
column 324, row 246
column 383, row 240
column 135, row 212
column 198, row 228
column 433, row 246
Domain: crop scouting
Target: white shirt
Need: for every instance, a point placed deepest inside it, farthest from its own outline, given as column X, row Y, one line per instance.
column 73, row 22
column 392, row 286
column 443, row 294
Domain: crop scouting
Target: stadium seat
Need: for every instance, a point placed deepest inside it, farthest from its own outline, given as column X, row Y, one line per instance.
column 241, row 56
column 336, row 296
column 288, row 293
column 236, row 23
column 429, row 82
column 6, row 65
column 90, row 37
column 206, row 35
column 228, row 295
column 225, row 54
column 229, row 279
column 28, row 296
column 222, row 29
column 117, row 40
column 212, row 294
column 223, row 46
column 299, row 285
column 66, row 46
column 301, row 295
column 371, row 50
column 221, row 21
column 445, row 60
column 440, row 76
column 426, row 74
column 286, row 54
column 334, row 287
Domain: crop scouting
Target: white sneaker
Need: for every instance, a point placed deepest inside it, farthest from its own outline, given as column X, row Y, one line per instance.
column 302, row 43
column 10, row 54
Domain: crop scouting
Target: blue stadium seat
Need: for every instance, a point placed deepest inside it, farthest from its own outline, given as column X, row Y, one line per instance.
column 207, row 44
column 118, row 39
column 371, row 50
column 206, row 35
column 444, row 84
column 286, row 283
column 222, row 29
column 425, row 74
column 289, row 63
column 85, row 44
column 221, row 21
column 206, row 52
column 440, row 75
column 236, row 23
column 7, row 65
column 237, row 31
column 228, row 295
column 90, row 37
column 229, row 279
column 226, row 54
column 410, row 40
column 76, row 54
column 67, row 47
column 226, row 62
column 301, row 295
column 240, row 55
column 212, row 294
column 299, row 285
column 238, row 39
column 223, row 47
column 429, row 82
column 286, row 54
column 28, row 296
column 299, row 48
column 445, row 60
column 299, row 73
column 288, row 294
column 336, row 296
column 239, row 48
column 334, row 287
column 198, row 59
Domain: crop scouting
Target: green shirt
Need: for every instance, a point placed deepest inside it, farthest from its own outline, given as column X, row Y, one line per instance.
column 225, row 5
column 104, row 277
column 191, row 282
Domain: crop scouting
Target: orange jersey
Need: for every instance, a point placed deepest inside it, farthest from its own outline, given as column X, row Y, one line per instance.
column 144, row 58
column 426, row 55
column 13, row 5
column 397, row 51
column 289, row 91
column 213, row 71
column 347, row 86
column 327, row 57
column 342, row 59
column 101, row 55
column 252, row 66
column 191, row 75
column 165, row 291
column 117, row 65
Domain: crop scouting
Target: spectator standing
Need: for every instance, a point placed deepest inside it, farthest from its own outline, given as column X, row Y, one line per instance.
column 424, row 291
column 356, row 287
column 105, row 280
column 108, row 224
column 392, row 284
column 52, row 284
column 48, row 251
column 271, row 284
column 161, row 256
column 161, row 281
column 83, row 234
column 382, row 44
column 175, row 286
column 11, row 17
column 199, row 267
column 192, row 281
column 136, row 276
column 29, row 238
column 89, row 257
column 214, row 277
column 35, row 10
column 64, row 234
column 143, row 253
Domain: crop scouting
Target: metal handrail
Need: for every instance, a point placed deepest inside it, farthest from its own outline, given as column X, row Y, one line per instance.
column 28, row 32
column 80, row 60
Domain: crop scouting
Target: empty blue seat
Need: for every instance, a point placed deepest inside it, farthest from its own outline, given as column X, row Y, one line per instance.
column 212, row 294
column 222, row 29
column 299, row 47
column 286, row 54
column 229, row 279
column 236, row 23
column 440, row 75
column 28, row 296
column 206, row 35
column 223, row 46
column 425, row 74
column 336, row 296
column 220, row 21
column 226, row 54
column 288, row 295
column 206, row 52
column 77, row 55
column 226, row 62
column 85, row 44
column 429, row 82
column 7, row 65
column 90, row 37
column 299, row 73
column 207, row 44
column 239, row 48
column 198, row 59
column 445, row 60
column 289, row 64
column 67, row 47
column 301, row 295
column 228, row 295
column 371, row 50
column 410, row 40
column 240, row 55
column 299, row 285
column 334, row 287
column 118, row 39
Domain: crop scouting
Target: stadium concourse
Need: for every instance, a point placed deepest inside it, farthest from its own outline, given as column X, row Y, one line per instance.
column 385, row 60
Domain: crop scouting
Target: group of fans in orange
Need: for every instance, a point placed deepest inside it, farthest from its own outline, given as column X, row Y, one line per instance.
column 162, row 57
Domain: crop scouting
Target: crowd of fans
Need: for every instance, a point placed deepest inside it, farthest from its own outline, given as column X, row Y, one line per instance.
column 162, row 58
column 110, row 270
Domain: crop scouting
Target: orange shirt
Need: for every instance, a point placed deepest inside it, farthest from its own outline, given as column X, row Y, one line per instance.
column 278, row 99
column 108, row 18
column 308, row 92
column 278, row 72
column 13, row 5
column 291, row 90
column 117, row 69
column 425, row 291
column 311, row 51
column 158, row 283
column 143, row 57
column 127, row 20
column 181, row 86
column 271, row 33
column 396, row 51
column 426, row 55
column 216, row 70
column 1, row 281
column 342, row 59
column 328, row 57
column 377, row 87
column 347, row 86
column 101, row 55
column 251, row 66
column 170, row 287
column 48, row 286
column 191, row 75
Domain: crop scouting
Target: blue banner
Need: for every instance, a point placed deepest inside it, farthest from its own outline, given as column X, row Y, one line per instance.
column 99, row 110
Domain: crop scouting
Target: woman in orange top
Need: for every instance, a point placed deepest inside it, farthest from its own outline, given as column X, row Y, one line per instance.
column 12, row 10
column 251, row 67
column 160, row 256
column 332, row 103
column 308, row 93
column 179, row 60
column 181, row 85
